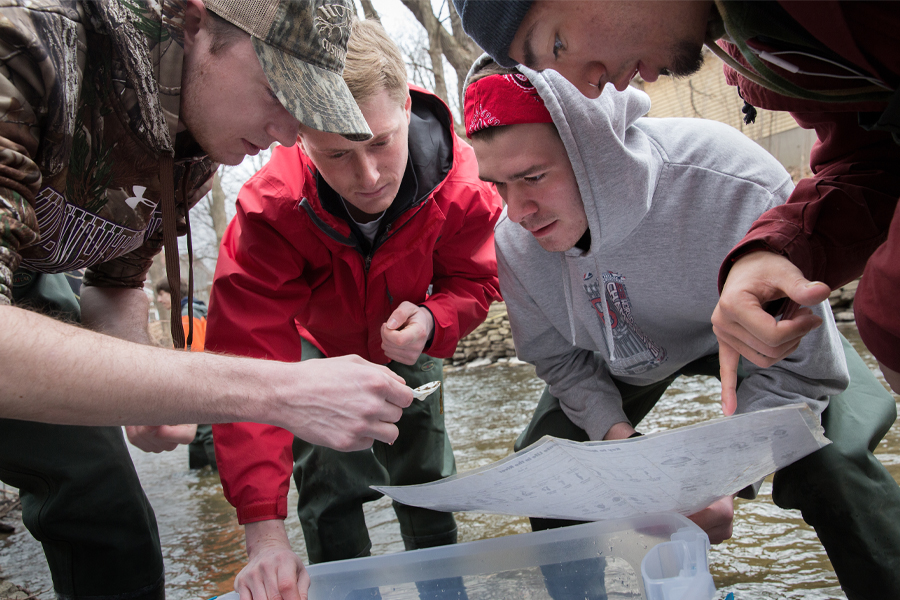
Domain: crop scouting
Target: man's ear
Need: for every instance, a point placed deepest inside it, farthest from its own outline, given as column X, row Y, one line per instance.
column 195, row 19
column 300, row 140
column 407, row 108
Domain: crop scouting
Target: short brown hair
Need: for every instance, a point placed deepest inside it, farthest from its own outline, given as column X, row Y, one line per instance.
column 163, row 286
column 374, row 63
column 222, row 33
column 488, row 68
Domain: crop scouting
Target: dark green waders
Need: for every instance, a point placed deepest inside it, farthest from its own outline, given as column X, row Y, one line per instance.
column 334, row 485
column 81, row 497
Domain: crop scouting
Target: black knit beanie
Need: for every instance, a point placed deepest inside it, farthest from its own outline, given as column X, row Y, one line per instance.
column 493, row 24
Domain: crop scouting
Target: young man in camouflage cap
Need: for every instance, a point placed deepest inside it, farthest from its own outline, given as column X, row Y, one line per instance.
column 114, row 113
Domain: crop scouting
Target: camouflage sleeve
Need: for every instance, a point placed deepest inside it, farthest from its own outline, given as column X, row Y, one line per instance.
column 129, row 270
column 39, row 61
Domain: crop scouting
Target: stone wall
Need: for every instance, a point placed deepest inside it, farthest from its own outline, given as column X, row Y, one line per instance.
column 841, row 301
column 492, row 340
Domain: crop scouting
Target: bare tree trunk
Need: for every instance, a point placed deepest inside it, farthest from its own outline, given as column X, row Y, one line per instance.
column 217, row 208
column 459, row 50
column 369, row 10
column 437, row 64
column 470, row 51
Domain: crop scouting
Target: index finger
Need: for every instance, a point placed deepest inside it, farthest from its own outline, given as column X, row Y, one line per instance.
column 728, row 364
column 383, row 432
column 291, row 591
column 761, row 327
column 399, row 394
column 400, row 337
column 303, row 582
column 360, row 360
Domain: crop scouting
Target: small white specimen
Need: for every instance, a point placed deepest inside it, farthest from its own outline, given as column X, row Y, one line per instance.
column 423, row 391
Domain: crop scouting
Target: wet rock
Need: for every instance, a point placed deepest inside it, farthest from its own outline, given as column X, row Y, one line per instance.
column 841, row 301
column 10, row 591
column 481, row 362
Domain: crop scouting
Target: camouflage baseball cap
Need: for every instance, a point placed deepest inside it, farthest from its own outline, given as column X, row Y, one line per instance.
column 301, row 45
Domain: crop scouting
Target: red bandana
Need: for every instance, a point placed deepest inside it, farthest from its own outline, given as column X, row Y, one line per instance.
column 498, row 100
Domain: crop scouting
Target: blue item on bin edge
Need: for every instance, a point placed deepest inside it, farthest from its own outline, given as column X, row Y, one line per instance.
column 678, row 570
column 228, row 596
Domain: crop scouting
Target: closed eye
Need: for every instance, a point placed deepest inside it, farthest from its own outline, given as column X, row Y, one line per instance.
column 558, row 47
column 534, row 178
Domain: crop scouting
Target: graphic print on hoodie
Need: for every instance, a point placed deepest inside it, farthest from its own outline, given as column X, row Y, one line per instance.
column 632, row 350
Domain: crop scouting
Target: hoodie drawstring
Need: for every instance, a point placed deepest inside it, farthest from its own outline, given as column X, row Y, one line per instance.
column 567, row 287
column 607, row 325
column 170, row 244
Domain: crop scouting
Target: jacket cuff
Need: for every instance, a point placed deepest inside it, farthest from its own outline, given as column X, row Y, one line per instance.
column 598, row 421
column 263, row 511
column 441, row 337
column 434, row 328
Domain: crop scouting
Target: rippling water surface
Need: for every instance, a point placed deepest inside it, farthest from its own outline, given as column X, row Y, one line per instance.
column 773, row 553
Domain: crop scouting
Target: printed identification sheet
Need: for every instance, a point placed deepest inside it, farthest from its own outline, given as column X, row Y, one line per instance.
column 681, row 470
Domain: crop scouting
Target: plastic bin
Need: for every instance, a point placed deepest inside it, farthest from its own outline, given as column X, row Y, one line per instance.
column 678, row 570
column 659, row 557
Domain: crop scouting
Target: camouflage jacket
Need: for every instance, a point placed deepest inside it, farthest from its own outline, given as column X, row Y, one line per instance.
column 89, row 102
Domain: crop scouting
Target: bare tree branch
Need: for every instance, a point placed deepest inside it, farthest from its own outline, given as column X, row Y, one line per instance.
column 369, row 10
column 460, row 55
column 454, row 45
column 437, row 64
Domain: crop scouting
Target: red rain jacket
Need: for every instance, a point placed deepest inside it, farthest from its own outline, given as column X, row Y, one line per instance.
column 289, row 268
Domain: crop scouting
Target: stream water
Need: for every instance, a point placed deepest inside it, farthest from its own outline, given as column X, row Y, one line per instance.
column 773, row 553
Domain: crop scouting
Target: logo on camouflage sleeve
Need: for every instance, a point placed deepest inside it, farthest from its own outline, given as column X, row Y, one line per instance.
column 333, row 25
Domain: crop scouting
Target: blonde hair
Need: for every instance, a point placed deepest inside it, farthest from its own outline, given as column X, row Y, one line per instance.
column 374, row 63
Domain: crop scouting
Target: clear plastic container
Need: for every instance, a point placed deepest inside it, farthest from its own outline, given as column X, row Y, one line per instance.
column 679, row 570
column 595, row 561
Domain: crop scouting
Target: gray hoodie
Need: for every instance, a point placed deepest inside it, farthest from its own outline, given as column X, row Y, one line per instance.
column 666, row 199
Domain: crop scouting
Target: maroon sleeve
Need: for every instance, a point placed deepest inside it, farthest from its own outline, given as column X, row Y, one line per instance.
column 836, row 218
column 876, row 304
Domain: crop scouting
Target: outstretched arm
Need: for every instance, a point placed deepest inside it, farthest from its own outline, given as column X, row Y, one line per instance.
column 89, row 378
column 832, row 222
column 122, row 313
